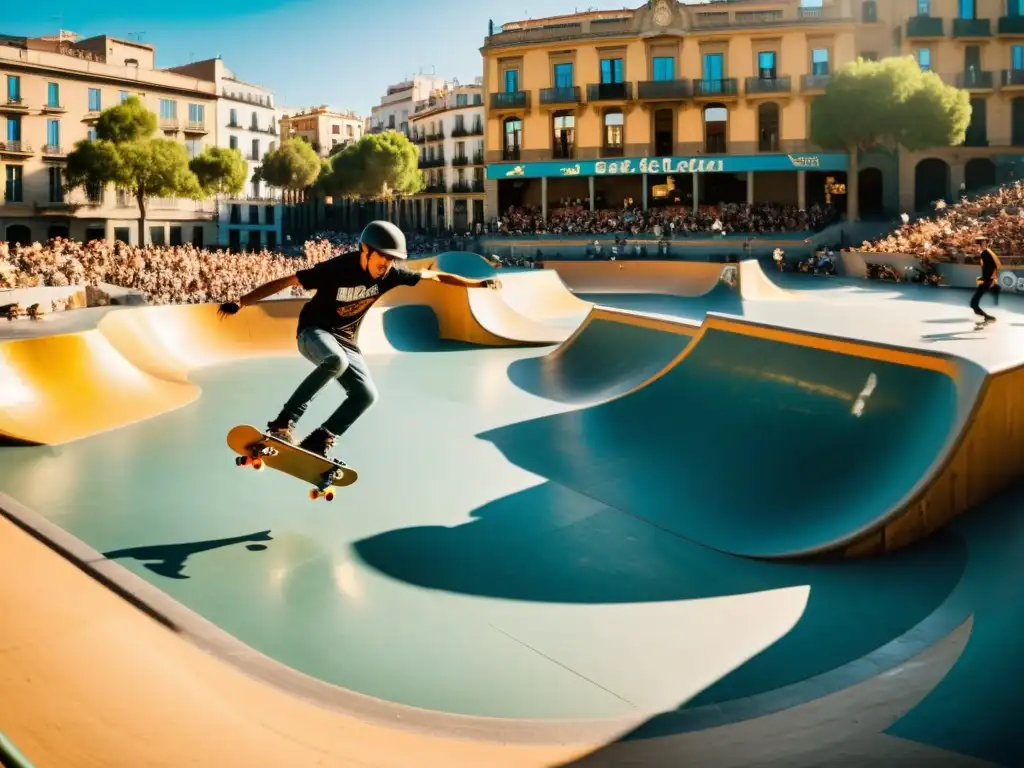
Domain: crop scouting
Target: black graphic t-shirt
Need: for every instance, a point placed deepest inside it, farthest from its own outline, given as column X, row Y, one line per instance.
column 344, row 293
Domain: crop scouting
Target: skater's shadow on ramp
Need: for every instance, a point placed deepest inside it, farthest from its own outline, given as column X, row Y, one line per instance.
column 168, row 560
column 549, row 544
column 967, row 334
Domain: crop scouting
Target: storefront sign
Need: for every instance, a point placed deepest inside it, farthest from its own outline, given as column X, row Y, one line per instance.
column 632, row 166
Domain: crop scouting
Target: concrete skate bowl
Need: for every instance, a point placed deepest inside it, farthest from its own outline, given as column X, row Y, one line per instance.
column 613, row 352
column 773, row 444
column 135, row 363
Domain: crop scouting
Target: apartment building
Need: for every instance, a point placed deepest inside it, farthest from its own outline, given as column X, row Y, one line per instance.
column 449, row 129
column 675, row 103
column 54, row 90
column 246, row 120
column 398, row 104
column 324, row 128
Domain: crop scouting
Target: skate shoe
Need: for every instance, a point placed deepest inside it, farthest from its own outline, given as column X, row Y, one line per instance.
column 320, row 442
column 282, row 429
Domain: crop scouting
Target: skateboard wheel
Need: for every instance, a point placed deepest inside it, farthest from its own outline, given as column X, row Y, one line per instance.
column 240, row 461
column 314, row 494
column 257, row 464
column 329, row 495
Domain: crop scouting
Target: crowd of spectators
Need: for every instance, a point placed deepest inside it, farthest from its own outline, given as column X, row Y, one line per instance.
column 179, row 274
column 573, row 217
column 950, row 234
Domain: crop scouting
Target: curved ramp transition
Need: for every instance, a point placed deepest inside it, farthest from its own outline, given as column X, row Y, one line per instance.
column 136, row 362
column 711, row 446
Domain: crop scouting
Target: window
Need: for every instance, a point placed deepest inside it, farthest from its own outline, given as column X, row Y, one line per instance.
column 819, row 61
column 271, row 238
column 511, row 80
column 53, row 133
column 195, row 114
column 614, row 133
column 194, row 147
column 714, row 70
column 12, row 189
column 254, row 122
column 95, row 101
column 766, row 65
column 663, row 68
column 1015, row 8
column 768, row 127
column 716, row 122
column 233, row 117
column 254, row 214
column 255, row 149
column 53, row 94
column 924, row 58
column 175, row 235
column 869, row 11
column 270, row 214
column 564, row 135
column 168, row 109
column 869, row 55
column 14, row 128
column 513, row 138
column 562, row 75
column 124, row 96
column 924, row 7
column 966, row 9
column 233, row 142
column 478, row 99
column 122, row 235
column 461, row 99
column 56, row 184
column 91, row 134
column 611, row 71
column 1017, row 57
column 13, row 88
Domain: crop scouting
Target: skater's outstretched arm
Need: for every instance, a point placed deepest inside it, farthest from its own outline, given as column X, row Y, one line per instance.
column 260, row 293
column 446, row 278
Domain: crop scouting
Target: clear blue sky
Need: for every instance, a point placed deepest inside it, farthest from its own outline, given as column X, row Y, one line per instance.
column 343, row 53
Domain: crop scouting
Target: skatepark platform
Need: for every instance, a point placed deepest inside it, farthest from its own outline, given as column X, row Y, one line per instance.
column 582, row 535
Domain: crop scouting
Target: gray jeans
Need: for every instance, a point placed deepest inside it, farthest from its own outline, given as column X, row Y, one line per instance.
column 333, row 360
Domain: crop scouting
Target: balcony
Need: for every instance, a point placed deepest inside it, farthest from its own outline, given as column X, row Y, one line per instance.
column 53, row 109
column 459, row 132
column 168, row 124
column 972, row 28
column 91, row 116
column 477, row 129
column 17, row 105
column 726, row 87
column 417, row 138
column 435, row 189
column 975, row 80
column 54, row 150
column 439, row 136
column 1011, row 26
column 920, row 27
column 663, row 90
column 195, row 126
column 511, row 155
column 17, row 148
column 609, row 92
column 478, row 185
column 461, row 188
column 460, row 160
column 1012, row 79
column 510, row 101
column 768, row 86
column 433, row 162
column 478, row 158
column 566, row 95
column 814, row 83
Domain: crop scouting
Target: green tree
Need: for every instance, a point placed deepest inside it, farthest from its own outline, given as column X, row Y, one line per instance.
column 294, row 166
column 890, row 104
column 220, row 171
column 126, row 154
column 378, row 166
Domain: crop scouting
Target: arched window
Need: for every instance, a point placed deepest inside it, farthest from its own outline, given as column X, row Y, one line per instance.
column 716, row 117
column 768, row 127
column 513, row 139
column 563, row 139
column 614, row 133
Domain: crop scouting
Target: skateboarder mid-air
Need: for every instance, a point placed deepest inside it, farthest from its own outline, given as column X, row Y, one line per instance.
column 345, row 286
column 989, row 274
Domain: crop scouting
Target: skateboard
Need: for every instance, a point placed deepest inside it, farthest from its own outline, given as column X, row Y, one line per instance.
column 980, row 325
column 257, row 450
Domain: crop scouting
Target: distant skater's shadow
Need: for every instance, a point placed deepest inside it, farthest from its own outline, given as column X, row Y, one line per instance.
column 170, row 558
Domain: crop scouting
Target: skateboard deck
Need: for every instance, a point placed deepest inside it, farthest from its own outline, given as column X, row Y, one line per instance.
column 257, row 449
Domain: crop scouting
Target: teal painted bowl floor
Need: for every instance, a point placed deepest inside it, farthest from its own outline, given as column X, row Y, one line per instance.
column 448, row 577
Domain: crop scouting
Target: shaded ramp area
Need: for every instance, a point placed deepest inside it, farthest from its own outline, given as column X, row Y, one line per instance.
column 714, row 449
column 613, row 352
column 687, row 279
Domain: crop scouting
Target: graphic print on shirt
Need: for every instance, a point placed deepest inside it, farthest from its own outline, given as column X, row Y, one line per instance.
column 356, row 299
